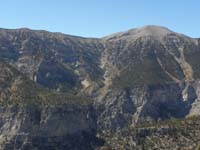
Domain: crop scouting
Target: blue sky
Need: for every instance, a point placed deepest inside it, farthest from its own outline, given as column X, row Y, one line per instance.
column 97, row 18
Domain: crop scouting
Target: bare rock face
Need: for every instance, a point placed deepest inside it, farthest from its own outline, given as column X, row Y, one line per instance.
column 33, row 117
column 60, row 91
column 64, row 127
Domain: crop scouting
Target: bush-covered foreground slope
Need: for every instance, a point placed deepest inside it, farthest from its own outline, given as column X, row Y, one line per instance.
column 172, row 134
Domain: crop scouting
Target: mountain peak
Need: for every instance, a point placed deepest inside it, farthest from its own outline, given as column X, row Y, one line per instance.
column 145, row 31
column 153, row 30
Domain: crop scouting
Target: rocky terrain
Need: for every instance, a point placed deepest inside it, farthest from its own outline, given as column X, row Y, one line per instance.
column 60, row 91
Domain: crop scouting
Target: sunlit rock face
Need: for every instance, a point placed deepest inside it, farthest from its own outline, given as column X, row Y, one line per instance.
column 59, row 91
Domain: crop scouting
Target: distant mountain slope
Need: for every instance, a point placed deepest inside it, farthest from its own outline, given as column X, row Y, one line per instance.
column 150, row 73
column 72, row 59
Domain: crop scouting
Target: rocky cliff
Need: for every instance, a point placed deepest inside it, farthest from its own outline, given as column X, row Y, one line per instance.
column 34, row 117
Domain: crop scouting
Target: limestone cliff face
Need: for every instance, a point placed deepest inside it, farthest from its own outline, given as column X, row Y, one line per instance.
column 64, row 127
column 60, row 91
column 133, row 106
column 33, row 117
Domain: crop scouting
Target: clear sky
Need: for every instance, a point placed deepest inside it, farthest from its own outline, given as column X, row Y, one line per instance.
column 97, row 18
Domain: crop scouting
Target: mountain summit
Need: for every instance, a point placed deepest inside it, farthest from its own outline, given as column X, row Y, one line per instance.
column 158, row 33
column 150, row 30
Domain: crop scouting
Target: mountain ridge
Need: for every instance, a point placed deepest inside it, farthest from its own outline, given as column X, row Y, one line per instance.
column 131, row 29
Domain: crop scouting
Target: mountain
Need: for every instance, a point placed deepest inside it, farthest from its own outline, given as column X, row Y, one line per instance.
column 92, row 90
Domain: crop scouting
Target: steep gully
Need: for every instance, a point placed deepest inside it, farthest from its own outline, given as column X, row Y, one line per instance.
column 189, row 78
